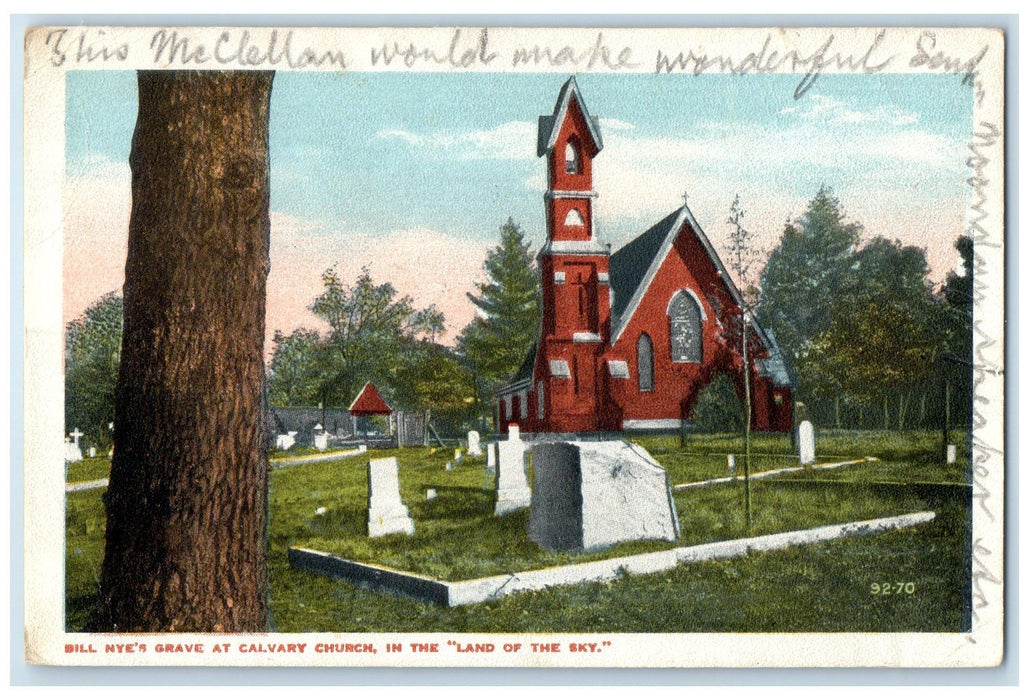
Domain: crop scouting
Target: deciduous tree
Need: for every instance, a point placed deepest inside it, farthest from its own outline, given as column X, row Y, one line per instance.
column 92, row 351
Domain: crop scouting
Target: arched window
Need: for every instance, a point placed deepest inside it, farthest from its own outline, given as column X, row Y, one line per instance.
column 574, row 218
column 645, row 362
column 572, row 162
column 684, row 317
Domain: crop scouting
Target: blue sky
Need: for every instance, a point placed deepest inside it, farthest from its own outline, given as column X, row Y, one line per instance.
column 404, row 166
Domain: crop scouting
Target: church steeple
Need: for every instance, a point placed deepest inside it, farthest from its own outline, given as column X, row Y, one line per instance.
column 570, row 140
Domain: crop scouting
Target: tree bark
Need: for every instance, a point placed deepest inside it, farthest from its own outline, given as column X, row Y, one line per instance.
column 186, row 506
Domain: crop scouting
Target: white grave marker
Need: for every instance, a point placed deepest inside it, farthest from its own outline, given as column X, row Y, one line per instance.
column 807, row 442
column 386, row 512
column 732, row 465
column 92, row 452
column 491, row 456
column 952, row 454
column 321, row 441
column 512, row 484
column 474, row 449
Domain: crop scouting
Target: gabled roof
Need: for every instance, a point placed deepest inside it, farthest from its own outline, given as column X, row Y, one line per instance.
column 550, row 127
column 369, row 402
column 640, row 259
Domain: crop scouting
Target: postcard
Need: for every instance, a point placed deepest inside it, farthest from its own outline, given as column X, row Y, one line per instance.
column 514, row 347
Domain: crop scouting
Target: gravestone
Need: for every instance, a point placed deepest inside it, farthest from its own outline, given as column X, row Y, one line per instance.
column 732, row 465
column 321, row 441
column 491, row 456
column 430, row 494
column 92, row 452
column 72, row 451
column 588, row 495
column 284, row 442
column 511, row 483
column 952, row 454
column 474, row 449
column 387, row 514
column 806, row 438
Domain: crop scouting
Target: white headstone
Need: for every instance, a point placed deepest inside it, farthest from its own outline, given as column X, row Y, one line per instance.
column 491, row 456
column 75, row 435
column 595, row 494
column 430, row 494
column 321, row 441
column 450, row 466
column 92, row 452
column 362, row 449
column 732, row 465
column 512, row 485
column 72, row 452
column 952, row 454
column 474, row 449
column 806, row 438
column 386, row 512
column 284, row 442
column 513, row 433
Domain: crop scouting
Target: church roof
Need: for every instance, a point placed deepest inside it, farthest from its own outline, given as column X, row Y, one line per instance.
column 369, row 402
column 550, row 127
column 630, row 264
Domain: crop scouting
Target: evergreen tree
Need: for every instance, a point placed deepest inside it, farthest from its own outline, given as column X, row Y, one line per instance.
column 810, row 265
column 498, row 340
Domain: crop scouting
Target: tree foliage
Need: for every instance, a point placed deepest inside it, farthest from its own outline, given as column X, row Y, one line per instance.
column 860, row 323
column 812, row 261
column 718, row 408
column 374, row 335
column 92, row 351
column 498, row 340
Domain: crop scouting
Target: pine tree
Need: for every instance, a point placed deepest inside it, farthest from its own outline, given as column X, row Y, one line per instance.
column 497, row 342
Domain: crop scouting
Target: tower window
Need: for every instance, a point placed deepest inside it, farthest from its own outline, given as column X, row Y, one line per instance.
column 574, row 218
column 572, row 162
column 539, row 401
column 645, row 362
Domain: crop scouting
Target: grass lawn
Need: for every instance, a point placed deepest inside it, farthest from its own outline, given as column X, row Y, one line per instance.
column 815, row 588
column 89, row 469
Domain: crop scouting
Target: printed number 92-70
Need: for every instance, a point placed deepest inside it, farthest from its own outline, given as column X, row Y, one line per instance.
column 897, row 588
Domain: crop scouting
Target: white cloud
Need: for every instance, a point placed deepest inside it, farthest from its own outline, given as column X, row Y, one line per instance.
column 828, row 110
column 615, row 124
column 514, row 140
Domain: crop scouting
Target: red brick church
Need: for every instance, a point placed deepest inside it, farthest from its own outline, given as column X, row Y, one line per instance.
column 629, row 339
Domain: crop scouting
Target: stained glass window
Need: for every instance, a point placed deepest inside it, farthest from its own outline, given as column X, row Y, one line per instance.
column 685, row 319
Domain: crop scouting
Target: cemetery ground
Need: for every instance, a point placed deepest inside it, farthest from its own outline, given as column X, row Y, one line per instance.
column 830, row 586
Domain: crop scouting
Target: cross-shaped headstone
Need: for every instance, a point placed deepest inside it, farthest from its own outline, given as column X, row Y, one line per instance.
column 75, row 435
column 685, row 197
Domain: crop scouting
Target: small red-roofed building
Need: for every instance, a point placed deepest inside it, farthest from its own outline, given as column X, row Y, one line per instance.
column 369, row 402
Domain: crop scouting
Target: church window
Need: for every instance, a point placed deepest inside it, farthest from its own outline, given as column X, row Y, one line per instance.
column 574, row 218
column 645, row 362
column 684, row 316
column 572, row 162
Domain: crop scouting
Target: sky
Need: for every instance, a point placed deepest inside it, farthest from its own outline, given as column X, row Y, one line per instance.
column 412, row 174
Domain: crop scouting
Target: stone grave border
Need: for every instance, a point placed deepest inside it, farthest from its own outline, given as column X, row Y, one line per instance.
column 454, row 593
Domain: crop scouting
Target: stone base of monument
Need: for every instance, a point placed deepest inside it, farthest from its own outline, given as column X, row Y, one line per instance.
column 588, row 495
column 390, row 524
column 478, row 590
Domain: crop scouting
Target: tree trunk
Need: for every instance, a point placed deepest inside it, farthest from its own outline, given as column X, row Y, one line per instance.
column 186, row 506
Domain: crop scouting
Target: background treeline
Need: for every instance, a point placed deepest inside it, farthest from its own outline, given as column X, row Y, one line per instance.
column 871, row 341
